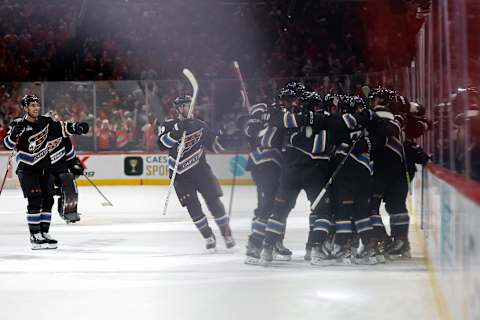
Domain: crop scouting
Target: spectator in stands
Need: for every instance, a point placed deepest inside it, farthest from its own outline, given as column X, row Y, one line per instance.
column 105, row 136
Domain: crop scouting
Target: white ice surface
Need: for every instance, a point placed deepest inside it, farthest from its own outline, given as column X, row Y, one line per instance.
column 130, row 262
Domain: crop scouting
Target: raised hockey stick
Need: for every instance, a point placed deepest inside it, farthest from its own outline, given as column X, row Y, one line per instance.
column 242, row 85
column 194, row 83
column 9, row 165
column 337, row 170
column 107, row 203
column 245, row 104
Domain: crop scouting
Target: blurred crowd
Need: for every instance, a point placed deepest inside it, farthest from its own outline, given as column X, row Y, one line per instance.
column 141, row 39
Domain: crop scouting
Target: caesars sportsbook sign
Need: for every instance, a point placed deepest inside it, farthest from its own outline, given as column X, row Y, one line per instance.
column 154, row 167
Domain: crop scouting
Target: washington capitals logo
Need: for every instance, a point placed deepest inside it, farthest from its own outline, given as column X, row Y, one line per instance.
column 36, row 141
column 192, row 139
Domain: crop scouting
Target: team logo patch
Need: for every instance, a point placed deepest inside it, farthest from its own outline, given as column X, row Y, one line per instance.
column 192, row 139
column 52, row 145
column 36, row 141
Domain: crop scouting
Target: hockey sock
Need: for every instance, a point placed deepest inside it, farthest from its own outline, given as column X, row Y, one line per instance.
column 364, row 229
column 343, row 231
column 45, row 219
column 221, row 218
column 321, row 230
column 273, row 231
column 399, row 223
column 199, row 219
column 33, row 219
column 203, row 227
column 258, row 232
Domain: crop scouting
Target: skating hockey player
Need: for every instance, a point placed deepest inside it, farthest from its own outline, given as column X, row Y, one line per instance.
column 29, row 136
column 194, row 174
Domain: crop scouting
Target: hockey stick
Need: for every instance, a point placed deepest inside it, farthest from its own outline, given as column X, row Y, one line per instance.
column 9, row 165
column 108, row 203
column 242, row 85
column 235, row 164
column 245, row 104
column 194, row 83
column 337, row 170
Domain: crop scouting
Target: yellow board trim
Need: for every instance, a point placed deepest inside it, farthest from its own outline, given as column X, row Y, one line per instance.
column 442, row 307
column 152, row 182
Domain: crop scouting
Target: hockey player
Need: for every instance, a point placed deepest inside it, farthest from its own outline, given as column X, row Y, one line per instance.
column 306, row 166
column 264, row 163
column 29, row 136
column 390, row 181
column 194, row 174
column 64, row 167
column 352, row 185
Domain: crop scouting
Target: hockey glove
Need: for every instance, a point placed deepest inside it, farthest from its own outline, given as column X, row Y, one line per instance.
column 82, row 128
column 76, row 167
column 18, row 127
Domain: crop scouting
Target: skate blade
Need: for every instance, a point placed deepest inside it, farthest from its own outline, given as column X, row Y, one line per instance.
column 280, row 257
column 403, row 256
column 381, row 258
column 211, row 250
column 307, row 258
column 366, row 261
column 322, row 262
column 343, row 262
column 252, row 261
column 265, row 263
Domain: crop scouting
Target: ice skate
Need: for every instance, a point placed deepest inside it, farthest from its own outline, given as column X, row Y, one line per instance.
column 266, row 257
column 51, row 243
column 342, row 254
column 281, row 253
column 229, row 242
column 367, row 255
column 38, row 242
column 400, row 249
column 253, row 254
column 210, row 243
column 380, row 252
column 321, row 256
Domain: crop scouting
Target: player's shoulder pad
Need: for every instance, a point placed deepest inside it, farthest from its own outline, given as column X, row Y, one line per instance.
column 166, row 126
column 258, row 108
column 17, row 120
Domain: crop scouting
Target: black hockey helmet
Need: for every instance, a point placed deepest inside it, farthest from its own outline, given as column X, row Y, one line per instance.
column 330, row 101
column 311, row 101
column 296, row 86
column 285, row 94
column 182, row 100
column 387, row 96
column 27, row 99
column 352, row 104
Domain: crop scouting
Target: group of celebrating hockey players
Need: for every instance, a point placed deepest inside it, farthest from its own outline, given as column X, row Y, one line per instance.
column 366, row 144
column 348, row 153
column 46, row 166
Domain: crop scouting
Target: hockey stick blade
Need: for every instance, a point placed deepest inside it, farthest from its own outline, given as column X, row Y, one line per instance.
column 193, row 81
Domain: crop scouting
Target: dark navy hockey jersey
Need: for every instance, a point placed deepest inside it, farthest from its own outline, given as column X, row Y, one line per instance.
column 265, row 142
column 32, row 145
column 198, row 139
